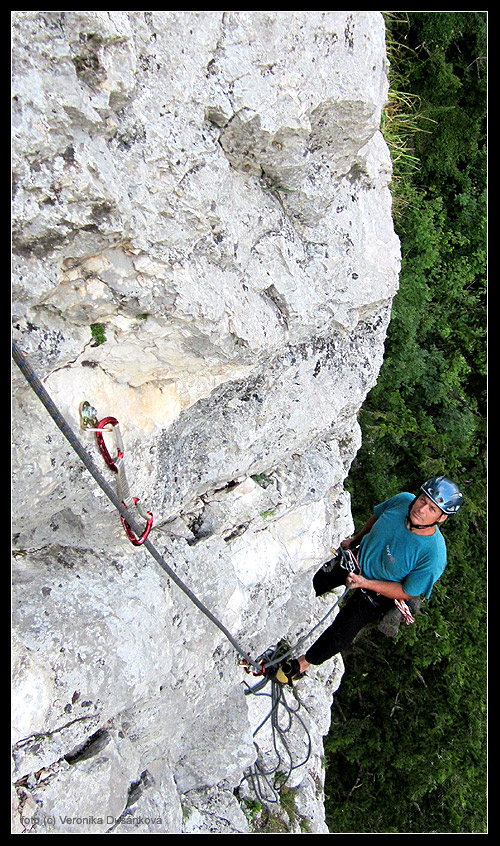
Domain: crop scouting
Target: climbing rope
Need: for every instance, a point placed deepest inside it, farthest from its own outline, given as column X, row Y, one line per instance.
column 266, row 782
column 258, row 775
column 87, row 460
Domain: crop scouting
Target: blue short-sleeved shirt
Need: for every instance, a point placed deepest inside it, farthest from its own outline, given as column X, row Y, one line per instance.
column 390, row 552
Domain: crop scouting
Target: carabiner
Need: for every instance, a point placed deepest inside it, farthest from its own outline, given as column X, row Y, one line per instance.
column 117, row 465
column 246, row 664
column 132, row 538
column 111, row 462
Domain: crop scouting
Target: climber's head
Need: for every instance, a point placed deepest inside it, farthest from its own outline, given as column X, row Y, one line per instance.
column 444, row 493
column 438, row 499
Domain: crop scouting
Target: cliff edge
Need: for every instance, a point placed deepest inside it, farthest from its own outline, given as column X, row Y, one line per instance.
column 203, row 249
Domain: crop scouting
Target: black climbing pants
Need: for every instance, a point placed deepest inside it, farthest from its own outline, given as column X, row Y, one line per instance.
column 360, row 608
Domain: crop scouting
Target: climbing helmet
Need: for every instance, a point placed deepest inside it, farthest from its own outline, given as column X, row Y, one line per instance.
column 444, row 493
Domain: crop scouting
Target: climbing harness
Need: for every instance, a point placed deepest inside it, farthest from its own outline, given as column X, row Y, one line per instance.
column 351, row 563
column 88, row 417
column 400, row 603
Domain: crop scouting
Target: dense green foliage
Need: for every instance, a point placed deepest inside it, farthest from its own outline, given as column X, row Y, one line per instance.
column 406, row 751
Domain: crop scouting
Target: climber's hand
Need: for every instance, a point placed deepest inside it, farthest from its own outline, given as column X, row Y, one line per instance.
column 355, row 580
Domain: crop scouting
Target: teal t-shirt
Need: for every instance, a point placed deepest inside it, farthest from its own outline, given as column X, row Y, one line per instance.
column 390, row 552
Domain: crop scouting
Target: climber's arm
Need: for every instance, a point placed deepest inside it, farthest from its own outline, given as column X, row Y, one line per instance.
column 393, row 590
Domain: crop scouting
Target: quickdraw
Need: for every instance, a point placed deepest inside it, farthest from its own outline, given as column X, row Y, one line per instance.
column 405, row 611
column 99, row 435
column 149, row 522
column 349, row 561
column 248, row 667
column 89, row 421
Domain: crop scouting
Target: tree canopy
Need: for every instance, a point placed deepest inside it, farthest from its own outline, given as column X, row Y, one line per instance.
column 407, row 751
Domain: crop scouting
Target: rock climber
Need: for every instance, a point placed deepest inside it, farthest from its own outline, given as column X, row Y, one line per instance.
column 401, row 554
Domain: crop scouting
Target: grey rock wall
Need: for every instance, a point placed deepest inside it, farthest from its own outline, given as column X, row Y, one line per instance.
column 209, row 192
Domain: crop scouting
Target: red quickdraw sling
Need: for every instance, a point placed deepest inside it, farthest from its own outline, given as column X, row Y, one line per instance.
column 110, row 421
column 117, row 465
column 405, row 611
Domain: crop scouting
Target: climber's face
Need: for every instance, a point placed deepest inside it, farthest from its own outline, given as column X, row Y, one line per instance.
column 424, row 511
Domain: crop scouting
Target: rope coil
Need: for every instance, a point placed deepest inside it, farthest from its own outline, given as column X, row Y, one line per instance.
column 266, row 782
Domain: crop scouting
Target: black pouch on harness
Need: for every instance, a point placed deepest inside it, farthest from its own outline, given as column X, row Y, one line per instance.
column 333, row 562
column 344, row 558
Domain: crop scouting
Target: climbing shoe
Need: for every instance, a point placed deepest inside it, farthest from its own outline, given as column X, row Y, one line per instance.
column 288, row 672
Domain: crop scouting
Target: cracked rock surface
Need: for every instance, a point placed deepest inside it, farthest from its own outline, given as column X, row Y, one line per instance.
column 203, row 249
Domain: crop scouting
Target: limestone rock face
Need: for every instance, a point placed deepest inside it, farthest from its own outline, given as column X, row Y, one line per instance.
column 203, row 250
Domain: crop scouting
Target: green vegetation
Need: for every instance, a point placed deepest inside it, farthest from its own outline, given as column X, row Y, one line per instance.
column 285, row 819
column 98, row 334
column 407, row 747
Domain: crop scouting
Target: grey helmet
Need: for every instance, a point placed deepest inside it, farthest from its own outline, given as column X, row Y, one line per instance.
column 444, row 493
